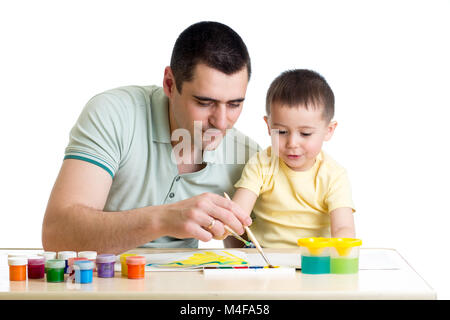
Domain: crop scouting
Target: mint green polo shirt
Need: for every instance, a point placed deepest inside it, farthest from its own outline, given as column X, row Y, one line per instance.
column 126, row 132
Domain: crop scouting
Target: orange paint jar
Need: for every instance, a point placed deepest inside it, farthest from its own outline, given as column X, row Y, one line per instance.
column 17, row 268
column 136, row 267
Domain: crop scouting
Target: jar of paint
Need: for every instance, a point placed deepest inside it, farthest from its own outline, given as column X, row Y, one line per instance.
column 344, row 254
column 315, row 255
column 136, row 267
column 84, row 270
column 105, row 265
column 123, row 262
column 55, row 270
column 48, row 255
column 17, row 268
column 65, row 255
column 90, row 255
column 36, row 267
column 71, row 262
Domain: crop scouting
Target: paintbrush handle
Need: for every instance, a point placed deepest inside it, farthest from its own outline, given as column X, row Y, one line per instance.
column 234, row 234
column 256, row 243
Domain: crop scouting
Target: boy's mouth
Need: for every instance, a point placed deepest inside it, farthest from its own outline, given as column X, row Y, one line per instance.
column 293, row 156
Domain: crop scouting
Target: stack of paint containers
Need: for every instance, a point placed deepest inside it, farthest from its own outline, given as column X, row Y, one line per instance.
column 329, row 255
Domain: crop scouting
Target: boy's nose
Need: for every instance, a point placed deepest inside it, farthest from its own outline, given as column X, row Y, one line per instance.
column 292, row 141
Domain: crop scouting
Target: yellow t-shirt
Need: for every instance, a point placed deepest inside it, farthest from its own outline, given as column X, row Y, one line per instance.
column 293, row 204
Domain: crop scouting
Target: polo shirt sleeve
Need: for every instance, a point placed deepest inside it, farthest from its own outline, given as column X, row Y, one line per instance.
column 339, row 192
column 99, row 135
column 252, row 177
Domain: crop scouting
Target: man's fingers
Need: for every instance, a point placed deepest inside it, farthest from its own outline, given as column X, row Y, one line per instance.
column 229, row 205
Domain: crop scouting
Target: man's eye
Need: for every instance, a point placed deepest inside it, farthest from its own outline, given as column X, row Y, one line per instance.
column 234, row 105
column 204, row 104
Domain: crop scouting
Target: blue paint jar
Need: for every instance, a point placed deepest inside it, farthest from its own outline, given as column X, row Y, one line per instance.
column 84, row 270
column 315, row 255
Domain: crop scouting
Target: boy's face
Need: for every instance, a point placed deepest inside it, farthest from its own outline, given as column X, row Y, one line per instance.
column 298, row 134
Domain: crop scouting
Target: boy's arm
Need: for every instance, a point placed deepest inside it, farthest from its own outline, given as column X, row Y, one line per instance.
column 246, row 200
column 342, row 223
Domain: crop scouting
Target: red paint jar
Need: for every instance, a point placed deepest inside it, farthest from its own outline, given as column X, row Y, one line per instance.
column 36, row 267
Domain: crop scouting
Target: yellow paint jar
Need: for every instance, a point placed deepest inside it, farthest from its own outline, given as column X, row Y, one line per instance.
column 123, row 262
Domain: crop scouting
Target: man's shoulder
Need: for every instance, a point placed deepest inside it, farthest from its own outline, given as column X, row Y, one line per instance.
column 137, row 95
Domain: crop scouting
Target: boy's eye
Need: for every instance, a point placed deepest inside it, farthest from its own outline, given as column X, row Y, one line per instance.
column 282, row 132
column 306, row 134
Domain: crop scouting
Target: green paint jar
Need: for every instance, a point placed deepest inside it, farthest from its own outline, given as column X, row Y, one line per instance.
column 344, row 255
column 55, row 270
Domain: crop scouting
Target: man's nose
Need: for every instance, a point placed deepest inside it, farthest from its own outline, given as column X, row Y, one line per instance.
column 219, row 117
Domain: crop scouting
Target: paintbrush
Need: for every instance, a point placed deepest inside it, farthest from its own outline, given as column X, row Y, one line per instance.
column 255, row 242
column 234, row 234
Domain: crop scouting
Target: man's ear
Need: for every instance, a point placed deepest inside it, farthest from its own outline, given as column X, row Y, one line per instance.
column 266, row 119
column 169, row 82
column 330, row 130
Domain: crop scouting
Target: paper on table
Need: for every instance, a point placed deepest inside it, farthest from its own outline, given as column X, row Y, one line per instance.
column 370, row 259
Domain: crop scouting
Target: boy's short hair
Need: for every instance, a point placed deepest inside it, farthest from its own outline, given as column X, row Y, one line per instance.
column 212, row 43
column 301, row 87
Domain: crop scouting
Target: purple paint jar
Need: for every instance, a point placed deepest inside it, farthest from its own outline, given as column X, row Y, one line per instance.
column 105, row 265
column 36, row 267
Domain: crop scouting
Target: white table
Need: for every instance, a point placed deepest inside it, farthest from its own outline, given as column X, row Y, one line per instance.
column 401, row 282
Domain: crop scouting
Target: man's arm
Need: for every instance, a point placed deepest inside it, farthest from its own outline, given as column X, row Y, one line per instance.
column 75, row 220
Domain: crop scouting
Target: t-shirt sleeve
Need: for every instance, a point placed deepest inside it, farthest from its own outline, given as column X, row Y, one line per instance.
column 252, row 177
column 99, row 134
column 339, row 193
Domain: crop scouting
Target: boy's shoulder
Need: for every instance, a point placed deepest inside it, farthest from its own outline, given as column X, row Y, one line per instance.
column 329, row 164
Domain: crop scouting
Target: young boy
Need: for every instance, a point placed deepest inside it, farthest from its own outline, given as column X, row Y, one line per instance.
column 295, row 189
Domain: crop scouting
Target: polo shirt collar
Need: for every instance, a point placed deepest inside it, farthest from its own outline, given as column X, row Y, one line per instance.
column 159, row 106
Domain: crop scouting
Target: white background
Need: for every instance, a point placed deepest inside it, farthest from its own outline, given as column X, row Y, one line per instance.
column 387, row 62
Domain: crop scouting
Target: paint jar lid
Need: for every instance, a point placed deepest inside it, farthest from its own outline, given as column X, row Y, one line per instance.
column 36, row 260
column 71, row 261
column 12, row 255
column 88, row 254
column 314, row 242
column 55, row 264
column 48, row 255
column 136, row 260
column 106, row 258
column 85, row 264
column 345, row 242
column 17, row 261
column 123, row 257
column 64, row 255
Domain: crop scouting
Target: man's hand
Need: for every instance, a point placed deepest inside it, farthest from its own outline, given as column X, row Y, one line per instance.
column 203, row 217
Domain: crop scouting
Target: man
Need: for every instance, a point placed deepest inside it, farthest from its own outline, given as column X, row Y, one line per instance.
column 147, row 166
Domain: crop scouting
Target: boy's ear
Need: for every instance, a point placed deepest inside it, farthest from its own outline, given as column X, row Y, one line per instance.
column 330, row 130
column 266, row 119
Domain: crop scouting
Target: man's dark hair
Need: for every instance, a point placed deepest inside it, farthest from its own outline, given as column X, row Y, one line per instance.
column 304, row 88
column 212, row 43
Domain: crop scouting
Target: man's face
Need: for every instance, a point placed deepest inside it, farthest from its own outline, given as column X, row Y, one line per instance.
column 212, row 99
